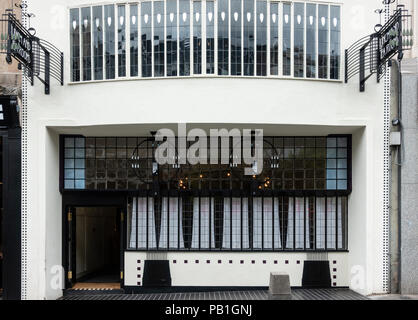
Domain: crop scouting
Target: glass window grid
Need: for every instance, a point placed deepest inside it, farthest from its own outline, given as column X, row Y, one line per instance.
column 331, row 63
column 324, row 229
column 290, row 164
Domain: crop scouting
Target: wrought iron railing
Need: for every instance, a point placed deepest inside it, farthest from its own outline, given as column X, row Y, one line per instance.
column 38, row 58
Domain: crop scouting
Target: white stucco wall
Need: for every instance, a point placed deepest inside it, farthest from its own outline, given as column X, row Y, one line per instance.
column 281, row 107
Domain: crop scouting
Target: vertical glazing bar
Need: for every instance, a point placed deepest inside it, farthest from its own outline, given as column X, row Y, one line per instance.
column 326, row 223
column 178, row 221
column 294, row 223
column 241, row 225
column 136, row 223
column 168, row 221
column 262, row 222
column 210, row 223
column 272, row 222
column 200, row 222
column 147, row 199
column 230, row 222
column 336, row 223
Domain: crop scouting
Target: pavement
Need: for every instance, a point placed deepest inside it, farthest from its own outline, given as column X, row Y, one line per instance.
column 297, row 294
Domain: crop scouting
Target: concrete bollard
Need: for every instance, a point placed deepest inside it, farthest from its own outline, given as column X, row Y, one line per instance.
column 279, row 286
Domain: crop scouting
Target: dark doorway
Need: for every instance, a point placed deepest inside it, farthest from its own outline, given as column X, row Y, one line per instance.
column 96, row 248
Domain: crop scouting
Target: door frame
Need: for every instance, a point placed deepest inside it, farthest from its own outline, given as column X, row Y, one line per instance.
column 76, row 199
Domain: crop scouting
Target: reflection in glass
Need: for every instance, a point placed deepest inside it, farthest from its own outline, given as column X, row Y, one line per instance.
column 121, row 41
column 261, row 38
column 210, row 37
column 184, row 37
column 299, row 30
column 223, row 38
column 310, row 40
column 335, row 42
column 286, row 39
column 86, row 34
column 248, row 37
column 197, row 37
column 98, row 42
column 146, row 41
column 323, row 41
column 110, row 41
column 75, row 44
column 158, row 39
column 236, row 16
column 274, row 38
column 134, row 40
column 171, row 37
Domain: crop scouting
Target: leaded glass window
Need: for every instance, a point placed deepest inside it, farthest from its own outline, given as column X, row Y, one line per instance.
column 223, row 37
column 311, row 26
column 75, row 44
column 146, row 39
column 261, row 23
column 171, row 37
column 210, row 37
column 98, row 42
column 197, row 37
column 249, row 38
column 121, row 41
column 184, row 37
column 299, row 37
column 274, row 38
column 158, row 38
column 110, row 41
column 287, row 22
column 236, row 27
column 323, row 43
column 335, row 42
column 86, row 35
column 134, row 45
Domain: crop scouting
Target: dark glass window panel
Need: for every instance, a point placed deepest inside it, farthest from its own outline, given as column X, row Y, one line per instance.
column 86, row 35
column 335, row 42
column 323, row 45
column 121, row 41
column 287, row 21
column 158, row 38
column 75, row 44
column 261, row 38
column 146, row 39
column 110, row 41
column 184, row 37
column 299, row 31
column 197, row 37
column 236, row 39
column 134, row 45
column 311, row 40
column 98, row 42
column 249, row 37
column 223, row 37
column 210, row 37
column 274, row 38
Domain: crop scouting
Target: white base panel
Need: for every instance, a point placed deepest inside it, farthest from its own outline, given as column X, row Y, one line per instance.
column 230, row 269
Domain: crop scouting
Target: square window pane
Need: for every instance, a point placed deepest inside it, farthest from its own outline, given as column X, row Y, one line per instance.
column 342, row 153
column 79, row 174
column 79, row 153
column 331, row 185
column 69, row 184
column 69, row 153
column 331, row 164
column 332, row 142
column 331, row 153
column 342, row 163
column 331, row 174
column 342, row 174
column 69, row 174
column 342, row 185
column 342, row 142
column 69, row 142
column 80, row 163
column 69, row 163
column 79, row 142
column 80, row 184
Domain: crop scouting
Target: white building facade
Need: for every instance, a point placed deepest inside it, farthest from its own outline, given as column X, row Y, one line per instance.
column 132, row 68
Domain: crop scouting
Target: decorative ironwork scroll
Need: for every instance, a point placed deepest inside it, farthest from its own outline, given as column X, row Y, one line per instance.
column 37, row 57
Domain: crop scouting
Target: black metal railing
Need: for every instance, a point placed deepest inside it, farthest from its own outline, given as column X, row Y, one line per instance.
column 43, row 61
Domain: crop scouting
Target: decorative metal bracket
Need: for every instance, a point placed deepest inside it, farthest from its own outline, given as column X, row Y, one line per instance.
column 37, row 57
column 369, row 55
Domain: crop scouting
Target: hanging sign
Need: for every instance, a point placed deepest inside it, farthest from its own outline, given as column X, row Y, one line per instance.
column 20, row 43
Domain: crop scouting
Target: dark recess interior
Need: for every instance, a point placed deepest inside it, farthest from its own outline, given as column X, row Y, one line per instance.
column 97, row 245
